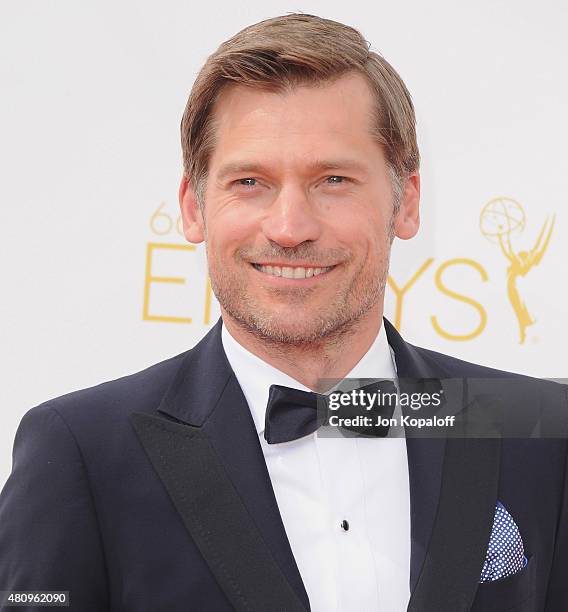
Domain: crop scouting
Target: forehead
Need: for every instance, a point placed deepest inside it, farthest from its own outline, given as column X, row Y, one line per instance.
column 334, row 114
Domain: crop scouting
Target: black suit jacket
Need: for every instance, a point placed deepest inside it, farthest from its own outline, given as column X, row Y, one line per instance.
column 150, row 493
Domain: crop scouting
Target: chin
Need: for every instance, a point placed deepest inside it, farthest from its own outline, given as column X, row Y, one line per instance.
column 290, row 328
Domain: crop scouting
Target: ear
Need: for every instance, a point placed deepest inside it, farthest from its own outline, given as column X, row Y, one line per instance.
column 191, row 214
column 407, row 219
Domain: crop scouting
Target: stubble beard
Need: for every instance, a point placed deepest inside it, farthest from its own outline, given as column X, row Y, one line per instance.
column 286, row 328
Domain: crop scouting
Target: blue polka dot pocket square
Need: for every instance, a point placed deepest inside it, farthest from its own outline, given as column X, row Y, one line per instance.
column 505, row 553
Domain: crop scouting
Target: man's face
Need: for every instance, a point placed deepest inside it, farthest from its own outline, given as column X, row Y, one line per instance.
column 298, row 215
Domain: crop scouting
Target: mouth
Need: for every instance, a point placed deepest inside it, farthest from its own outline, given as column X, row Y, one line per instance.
column 295, row 272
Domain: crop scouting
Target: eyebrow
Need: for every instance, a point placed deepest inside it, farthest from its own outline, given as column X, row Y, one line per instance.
column 315, row 166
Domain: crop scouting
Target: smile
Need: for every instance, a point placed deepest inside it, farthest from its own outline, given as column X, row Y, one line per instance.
column 289, row 272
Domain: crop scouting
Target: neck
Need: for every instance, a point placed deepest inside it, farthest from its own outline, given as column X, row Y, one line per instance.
column 331, row 358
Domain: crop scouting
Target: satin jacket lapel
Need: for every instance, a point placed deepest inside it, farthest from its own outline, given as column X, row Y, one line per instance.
column 453, row 491
column 210, row 460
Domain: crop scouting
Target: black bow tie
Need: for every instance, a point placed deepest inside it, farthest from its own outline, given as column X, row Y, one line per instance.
column 293, row 414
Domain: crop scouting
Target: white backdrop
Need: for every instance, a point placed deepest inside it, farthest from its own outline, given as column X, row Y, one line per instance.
column 92, row 96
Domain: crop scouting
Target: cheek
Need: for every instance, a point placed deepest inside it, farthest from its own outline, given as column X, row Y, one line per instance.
column 361, row 232
column 230, row 230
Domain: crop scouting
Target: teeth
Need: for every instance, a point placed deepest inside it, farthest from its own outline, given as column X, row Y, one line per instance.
column 288, row 272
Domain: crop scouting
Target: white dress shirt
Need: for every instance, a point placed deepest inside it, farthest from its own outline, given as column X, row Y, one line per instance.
column 321, row 481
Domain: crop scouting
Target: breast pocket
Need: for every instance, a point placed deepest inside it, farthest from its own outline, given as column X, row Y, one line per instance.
column 515, row 593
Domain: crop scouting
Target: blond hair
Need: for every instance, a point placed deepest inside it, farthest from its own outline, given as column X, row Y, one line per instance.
column 297, row 49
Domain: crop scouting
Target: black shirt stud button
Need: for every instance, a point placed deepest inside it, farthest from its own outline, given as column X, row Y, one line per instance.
column 344, row 525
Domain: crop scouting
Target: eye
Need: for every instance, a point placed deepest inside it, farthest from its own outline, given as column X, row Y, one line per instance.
column 246, row 182
column 336, row 180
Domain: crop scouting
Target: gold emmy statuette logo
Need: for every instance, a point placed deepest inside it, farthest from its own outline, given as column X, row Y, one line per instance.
column 499, row 219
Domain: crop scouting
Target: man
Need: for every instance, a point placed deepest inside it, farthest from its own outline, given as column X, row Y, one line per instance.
column 177, row 489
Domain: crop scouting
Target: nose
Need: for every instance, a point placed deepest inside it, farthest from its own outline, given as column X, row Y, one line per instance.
column 291, row 218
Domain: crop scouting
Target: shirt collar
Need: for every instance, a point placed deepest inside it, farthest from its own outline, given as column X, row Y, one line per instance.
column 255, row 375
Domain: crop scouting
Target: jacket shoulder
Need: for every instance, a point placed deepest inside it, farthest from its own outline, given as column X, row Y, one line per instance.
column 547, row 395
column 455, row 367
column 139, row 391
